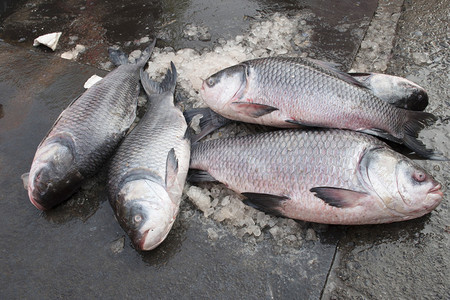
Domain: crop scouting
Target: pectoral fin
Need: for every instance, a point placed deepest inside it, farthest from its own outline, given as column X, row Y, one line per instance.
column 253, row 110
column 171, row 167
column 265, row 202
column 24, row 178
column 337, row 197
column 200, row 176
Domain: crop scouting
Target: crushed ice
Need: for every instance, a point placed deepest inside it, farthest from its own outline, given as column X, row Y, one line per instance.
column 278, row 35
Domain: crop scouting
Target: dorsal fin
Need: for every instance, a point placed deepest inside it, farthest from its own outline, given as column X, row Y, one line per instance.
column 332, row 67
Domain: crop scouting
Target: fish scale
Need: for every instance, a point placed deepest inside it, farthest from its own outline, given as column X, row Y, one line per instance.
column 280, row 153
column 302, row 81
column 147, row 146
column 104, row 122
column 85, row 134
column 326, row 176
column 292, row 92
column 147, row 173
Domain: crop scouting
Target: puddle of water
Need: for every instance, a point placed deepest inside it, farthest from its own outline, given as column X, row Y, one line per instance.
column 98, row 24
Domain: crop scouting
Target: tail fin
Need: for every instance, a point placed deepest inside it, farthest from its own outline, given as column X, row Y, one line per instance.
column 117, row 57
column 209, row 121
column 415, row 122
column 167, row 84
column 120, row 58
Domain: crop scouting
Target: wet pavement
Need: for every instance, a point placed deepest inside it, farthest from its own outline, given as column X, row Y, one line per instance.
column 79, row 249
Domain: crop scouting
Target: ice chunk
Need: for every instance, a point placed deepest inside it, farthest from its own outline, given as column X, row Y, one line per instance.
column 212, row 234
column 200, row 198
column 73, row 54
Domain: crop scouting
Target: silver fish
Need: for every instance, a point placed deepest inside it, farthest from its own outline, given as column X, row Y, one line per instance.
column 291, row 92
column 326, row 176
column 395, row 90
column 148, row 171
column 85, row 134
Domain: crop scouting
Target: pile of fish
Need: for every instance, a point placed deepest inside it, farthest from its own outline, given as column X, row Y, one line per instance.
column 339, row 175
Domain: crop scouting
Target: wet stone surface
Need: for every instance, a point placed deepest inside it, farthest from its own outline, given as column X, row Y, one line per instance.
column 337, row 28
column 410, row 259
column 78, row 248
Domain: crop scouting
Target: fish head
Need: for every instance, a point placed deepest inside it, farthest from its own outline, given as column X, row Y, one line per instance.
column 146, row 213
column 415, row 97
column 398, row 91
column 224, row 86
column 52, row 178
column 405, row 188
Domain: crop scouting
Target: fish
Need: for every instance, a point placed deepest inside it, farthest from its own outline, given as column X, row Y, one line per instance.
column 395, row 90
column 329, row 176
column 85, row 134
column 147, row 173
column 295, row 92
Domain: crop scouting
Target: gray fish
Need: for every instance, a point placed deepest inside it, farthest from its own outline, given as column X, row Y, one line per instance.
column 291, row 92
column 148, row 172
column 85, row 134
column 326, row 176
column 395, row 90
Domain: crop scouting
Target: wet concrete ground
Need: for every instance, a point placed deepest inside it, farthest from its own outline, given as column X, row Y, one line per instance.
column 79, row 250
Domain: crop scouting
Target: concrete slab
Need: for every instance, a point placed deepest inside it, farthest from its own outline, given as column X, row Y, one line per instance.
column 407, row 260
column 79, row 250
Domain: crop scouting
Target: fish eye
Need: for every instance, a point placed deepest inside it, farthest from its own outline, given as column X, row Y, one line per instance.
column 137, row 218
column 419, row 176
column 210, row 81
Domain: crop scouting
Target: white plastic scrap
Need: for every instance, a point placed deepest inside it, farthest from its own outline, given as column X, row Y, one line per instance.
column 50, row 40
column 91, row 81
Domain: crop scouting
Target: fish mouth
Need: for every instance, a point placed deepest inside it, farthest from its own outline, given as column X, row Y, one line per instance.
column 142, row 241
column 436, row 190
column 36, row 204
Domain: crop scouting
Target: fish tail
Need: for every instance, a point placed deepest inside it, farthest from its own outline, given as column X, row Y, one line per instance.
column 414, row 122
column 209, row 121
column 119, row 58
column 167, row 84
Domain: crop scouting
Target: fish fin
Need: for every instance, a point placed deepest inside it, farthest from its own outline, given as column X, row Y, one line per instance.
column 332, row 67
column 171, row 167
column 326, row 64
column 359, row 74
column 24, row 178
column 416, row 121
column 254, row 110
column 382, row 134
column 197, row 176
column 167, row 84
column 299, row 124
column 209, row 121
column 117, row 57
column 337, row 197
column 265, row 202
